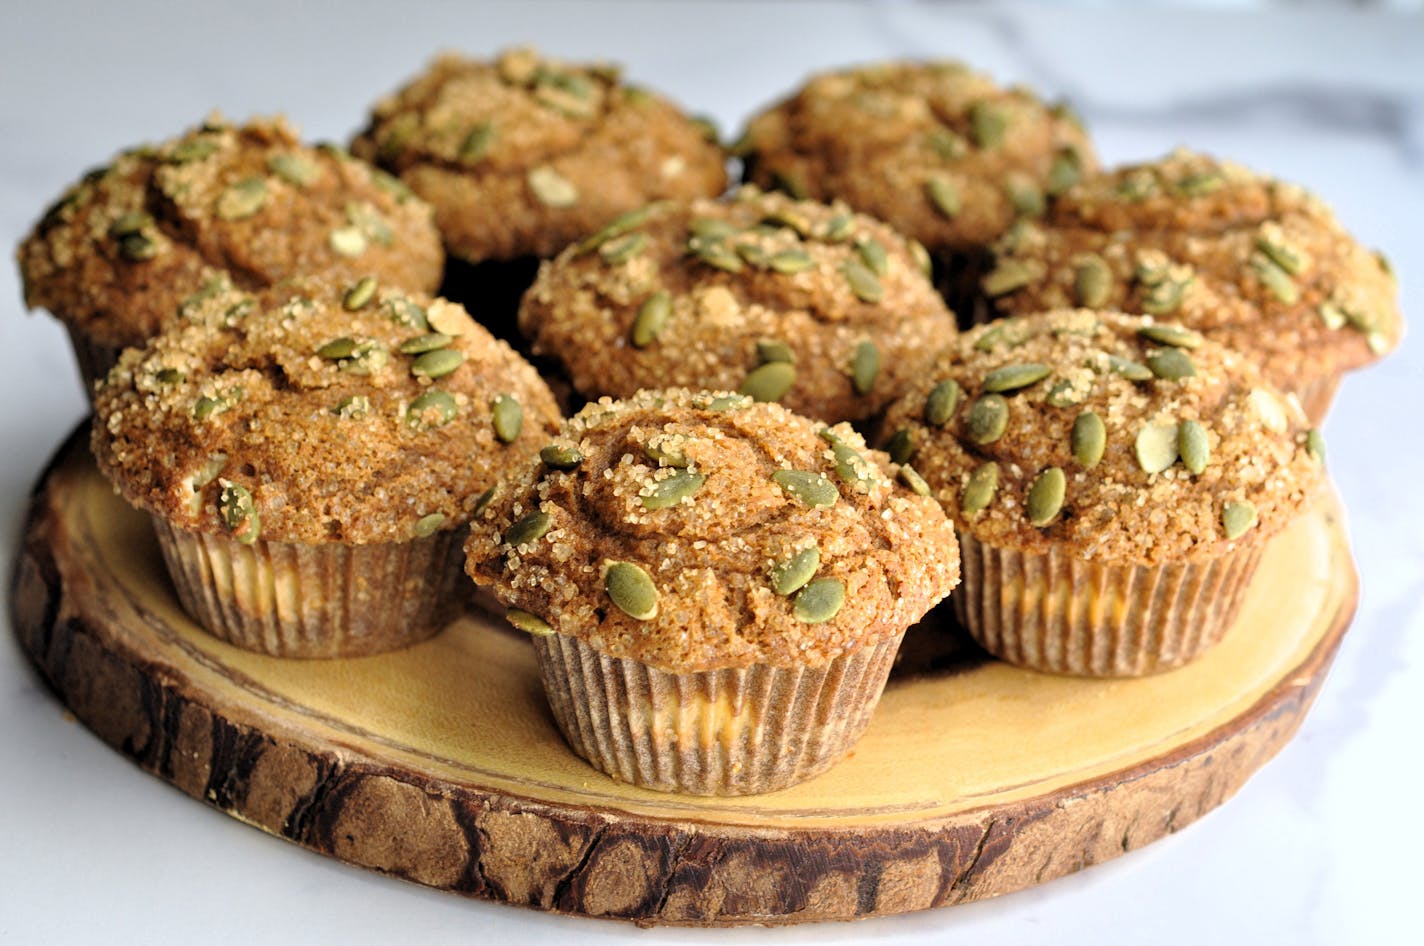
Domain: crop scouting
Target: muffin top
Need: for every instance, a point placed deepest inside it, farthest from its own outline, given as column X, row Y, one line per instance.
column 314, row 413
column 126, row 245
column 939, row 151
column 1121, row 439
column 1253, row 262
column 826, row 311
column 523, row 155
column 698, row 531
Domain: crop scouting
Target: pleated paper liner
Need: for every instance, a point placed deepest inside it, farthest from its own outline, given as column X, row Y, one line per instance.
column 287, row 599
column 94, row 359
column 1055, row 613
column 718, row 732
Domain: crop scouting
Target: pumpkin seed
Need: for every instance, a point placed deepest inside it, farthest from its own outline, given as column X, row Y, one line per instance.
column 507, row 417
column 551, row 188
column 1045, row 496
column 851, row 467
column 725, row 403
column 813, row 489
column 420, row 344
column 531, row 528
column 404, row 312
column 1024, row 196
column 942, row 402
column 711, row 229
column 791, row 575
column 620, row 250
column 477, row 143
column 1156, row 446
column 365, row 217
column 1129, row 369
column 560, row 456
column 1315, row 445
column 1237, row 519
column 901, row 445
column 790, row 219
column 1015, row 377
column 618, row 226
column 947, row 144
column 169, row 376
column 717, row 254
column 1333, row 315
column 427, row 526
column 979, row 489
column 242, row 199
column 530, row 624
column 921, row 256
column 206, row 406
column 664, row 455
column 1137, row 184
column 293, row 168
column 914, row 480
column 1008, row 276
column 873, row 255
column 863, row 282
column 988, row 419
column 839, row 228
column 1089, row 440
column 1201, row 183
column 360, row 295
column 137, row 247
column 789, row 262
column 129, row 223
column 338, row 348
column 434, row 408
column 652, row 318
column 196, row 149
column 483, row 501
column 238, row 512
column 818, row 602
column 1193, row 446
column 1092, row 283
column 772, row 349
column 1290, row 258
column 673, row 490
column 864, row 367
column 1164, row 298
column 769, row 382
column 987, row 124
column 631, row 589
column 1065, row 171
column 1167, row 334
column 944, row 196
column 790, row 182
column 1276, row 280
column 1171, row 364
column 754, row 254
column 347, row 241
column 1063, row 394
column 352, row 408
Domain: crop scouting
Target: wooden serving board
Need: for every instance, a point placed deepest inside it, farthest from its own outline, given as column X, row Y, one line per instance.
column 441, row 764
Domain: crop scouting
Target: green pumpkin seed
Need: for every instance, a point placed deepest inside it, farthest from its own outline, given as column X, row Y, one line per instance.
column 1045, row 496
column 242, row 199
column 352, row 408
column 1176, row 336
column 1164, row 298
column 813, row 489
column 620, row 250
column 137, row 247
column 551, row 188
column 664, row 455
column 901, row 446
column 169, row 376
column 1333, row 315
column 206, row 406
column 560, row 456
column 947, row 144
column 531, row 528
column 427, row 526
column 864, row 367
column 772, row 349
column 434, row 408
column 619, row 225
column 717, row 255
column 711, row 229
column 921, row 256
column 1015, row 377
column 1089, row 440
column 652, row 318
column 863, row 282
column 1237, row 519
column 632, row 590
column 1008, row 276
column 851, row 467
column 483, row 501
column 1201, row 183
column 987, row 124
column 914, row 481
column 979, row 489
column 988, row 419
column 756, row 256
column 507, row 417
column 1129, row 369
column 673, row 490
column 392, row 185
column 1092, row 283
column 1171, row 364
column 196, row 149
column 1156, row 446
column 790, row 182
column 790, row 262
column 1024, row 196
column 338, row 348
column 1065, row 171
column 770, row 382
column 347, row 241
column 1276, row 280
column 725, row 403
column 477, row 143
column 1193, row 446
column 944, row 196
column 437, row 364
column 405, row 313
column 420, row 344
column 1138, row 184
column 873, row 255
column 130, row 223
column 530, row 624
column 942, row 402
column 360, row 295
column 1063, row 394
column 1290, row 258
column 294, row 169
column 238, row 512
column 818, row 602
column 1315, row 445
column 792, row 574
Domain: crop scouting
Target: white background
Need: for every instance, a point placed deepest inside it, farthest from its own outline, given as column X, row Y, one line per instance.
column 1320, row 847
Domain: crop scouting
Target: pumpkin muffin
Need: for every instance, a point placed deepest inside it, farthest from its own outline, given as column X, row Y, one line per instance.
column 311, row 454
column 1113, row 481
column 823, row 310
column 1252, row 262
column 524, row 154
column 716, row 588
column 938, row 151
column 246, row 206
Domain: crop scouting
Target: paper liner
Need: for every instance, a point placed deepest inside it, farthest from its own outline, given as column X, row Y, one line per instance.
column 717, row 732
column 94, row 359
column 1060, row 614
column 1316, row 396
column 292, row 600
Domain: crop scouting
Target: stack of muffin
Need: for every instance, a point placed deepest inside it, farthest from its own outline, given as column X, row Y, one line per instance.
column 785, row 442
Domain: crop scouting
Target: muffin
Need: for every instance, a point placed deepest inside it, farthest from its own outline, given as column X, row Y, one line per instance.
column 221, row 205
column 522, row 155
column 1254, row 263
column 311, row 456
column 715, row 587
column 938, row 151
column 823, row 310
column 1113, row 481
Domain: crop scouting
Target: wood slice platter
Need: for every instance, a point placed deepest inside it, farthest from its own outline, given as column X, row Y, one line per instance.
column 441, row 764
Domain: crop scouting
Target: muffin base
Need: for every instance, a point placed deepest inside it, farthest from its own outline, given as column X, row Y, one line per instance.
column 737, row 731
column 1059, row 614
column 286, row 599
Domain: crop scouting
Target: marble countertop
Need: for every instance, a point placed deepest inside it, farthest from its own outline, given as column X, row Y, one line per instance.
column 1318, row 847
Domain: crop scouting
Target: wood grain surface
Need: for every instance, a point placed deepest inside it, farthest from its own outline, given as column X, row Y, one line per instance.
column 441, row 764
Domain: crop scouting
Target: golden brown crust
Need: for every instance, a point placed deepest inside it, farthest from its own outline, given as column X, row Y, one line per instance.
column 253, row 391
column 1257, row 264
column 121, row 250
column 877, row 137
column 523, row 155
column 1114, row 512
column 711, row 555
column 746, row 280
